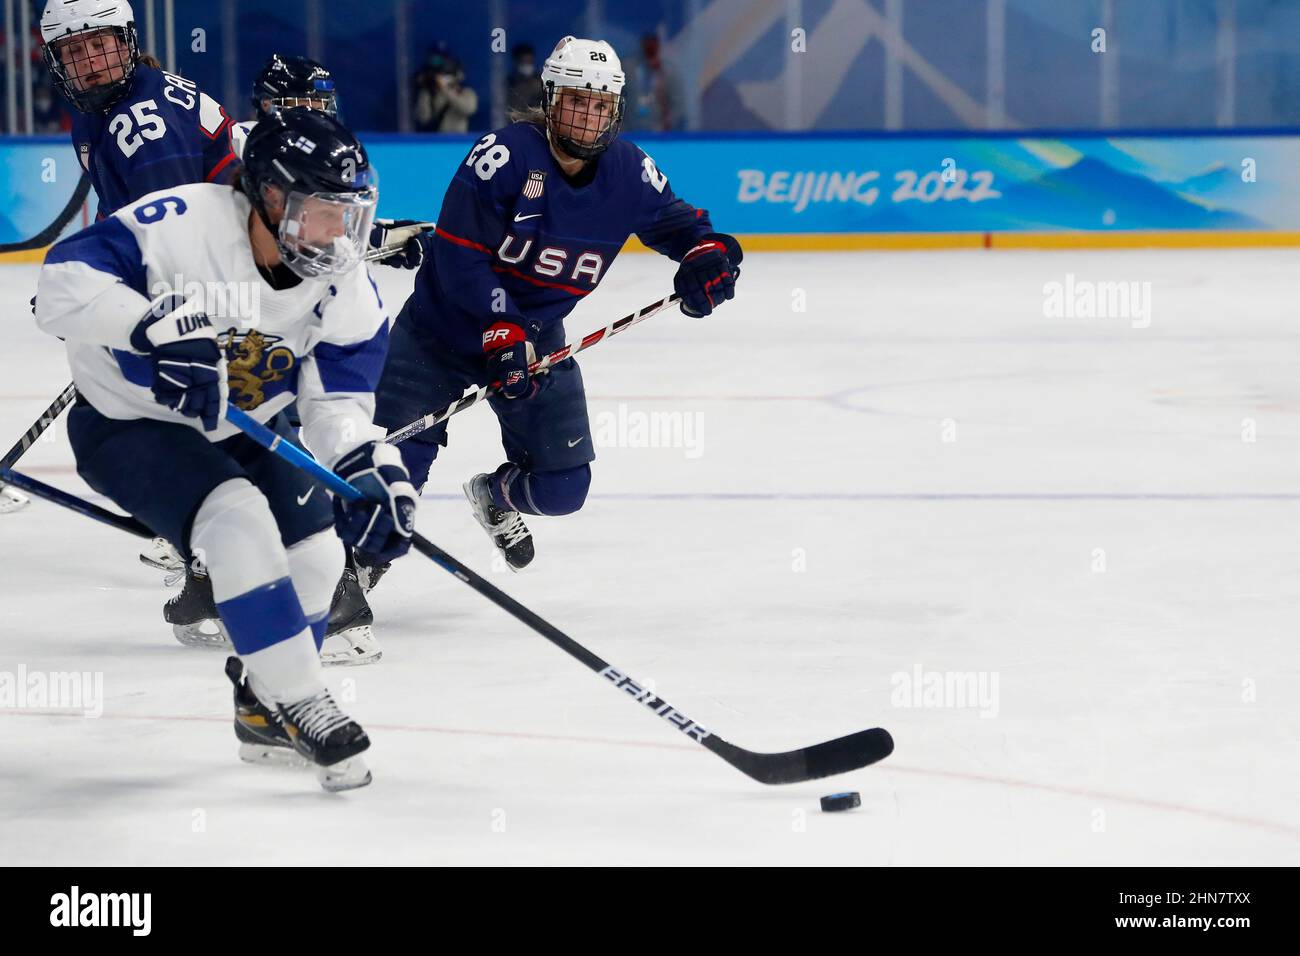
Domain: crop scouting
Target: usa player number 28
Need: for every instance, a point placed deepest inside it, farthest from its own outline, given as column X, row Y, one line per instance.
column 486, row 158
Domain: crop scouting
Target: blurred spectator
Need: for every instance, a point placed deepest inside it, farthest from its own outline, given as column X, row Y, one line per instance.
column 654, row 93
column 443, row 103
column 48, row 114
column 524, row 88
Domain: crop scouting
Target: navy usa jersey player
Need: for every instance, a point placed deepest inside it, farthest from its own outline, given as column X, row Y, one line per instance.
column 530, row 225
column 136, row 129
column 155, row 366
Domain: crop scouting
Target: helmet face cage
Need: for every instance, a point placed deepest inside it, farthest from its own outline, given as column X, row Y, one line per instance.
column 76, row 56
column 325, row 102
column 326, row 233
column 290, row 81
column 582, row 121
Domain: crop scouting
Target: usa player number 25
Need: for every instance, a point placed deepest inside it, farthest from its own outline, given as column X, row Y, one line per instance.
column 150, row 126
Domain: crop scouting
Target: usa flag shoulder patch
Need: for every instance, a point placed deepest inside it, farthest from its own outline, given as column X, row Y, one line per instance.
column 536, row 181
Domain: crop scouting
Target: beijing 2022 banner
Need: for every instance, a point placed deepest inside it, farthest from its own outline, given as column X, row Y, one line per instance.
column 822, row 183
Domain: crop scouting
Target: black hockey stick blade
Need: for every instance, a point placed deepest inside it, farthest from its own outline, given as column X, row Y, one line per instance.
column 808, row 763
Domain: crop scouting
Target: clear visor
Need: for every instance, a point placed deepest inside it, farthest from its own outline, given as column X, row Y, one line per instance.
column 326, row 233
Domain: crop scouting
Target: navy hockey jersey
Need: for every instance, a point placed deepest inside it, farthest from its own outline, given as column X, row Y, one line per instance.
column 165, row 132
column 518, row 242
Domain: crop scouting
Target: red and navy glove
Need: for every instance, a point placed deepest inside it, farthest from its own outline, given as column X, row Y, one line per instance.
column 707, row 275
column 509, row 353
column 189, row 370
column 380, row 523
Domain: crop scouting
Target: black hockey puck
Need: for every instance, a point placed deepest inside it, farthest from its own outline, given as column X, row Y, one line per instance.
column 841, row 801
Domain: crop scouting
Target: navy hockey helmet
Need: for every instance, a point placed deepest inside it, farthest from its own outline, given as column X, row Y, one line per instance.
column 287, row 81
column 307, row 168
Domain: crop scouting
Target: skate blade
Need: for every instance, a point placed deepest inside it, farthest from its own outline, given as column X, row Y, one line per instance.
column 350, row 774
column 191, row 636
column 266, row 755
column 351, row 647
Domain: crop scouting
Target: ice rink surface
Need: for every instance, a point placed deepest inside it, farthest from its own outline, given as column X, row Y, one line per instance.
column 890, row 465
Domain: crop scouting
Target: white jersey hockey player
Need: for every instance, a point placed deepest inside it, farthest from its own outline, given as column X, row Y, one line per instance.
column 201, row 295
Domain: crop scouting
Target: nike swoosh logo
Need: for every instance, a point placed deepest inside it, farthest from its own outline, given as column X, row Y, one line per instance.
column 519, row 218
column 575, row 441
column 303, row 500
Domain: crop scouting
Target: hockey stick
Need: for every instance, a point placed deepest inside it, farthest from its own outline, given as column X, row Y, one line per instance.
column 795, row 766
column 51, row 232
column 10, row 500
column 383, row 252
column 38, row 427
column 541, row 365
column 72, row 502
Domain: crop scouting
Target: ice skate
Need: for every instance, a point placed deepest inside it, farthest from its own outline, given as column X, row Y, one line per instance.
column 350, row 640
column 193, row 614
column 506, row 528
column 330, row 739
column 161, row 555
column 262, row 740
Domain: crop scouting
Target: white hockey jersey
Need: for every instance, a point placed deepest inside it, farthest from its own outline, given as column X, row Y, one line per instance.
column 239, row 136
column 322, row 342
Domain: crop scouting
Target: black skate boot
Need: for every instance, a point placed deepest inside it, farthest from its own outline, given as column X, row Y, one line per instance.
column 506, row 528
column 349, row 639
column 193, row 614
column 330, row 739
column 368, row 575
column 257, row 727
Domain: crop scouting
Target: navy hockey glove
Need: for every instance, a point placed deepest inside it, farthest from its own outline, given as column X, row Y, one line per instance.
column 707, row 275
column 509, row 353
column 390, row 232
column 189, row 371
column 380, row 524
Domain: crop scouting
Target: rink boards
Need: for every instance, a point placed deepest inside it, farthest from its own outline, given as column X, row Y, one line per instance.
column 818, row 191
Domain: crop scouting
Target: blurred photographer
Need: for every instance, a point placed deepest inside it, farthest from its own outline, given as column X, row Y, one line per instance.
column 443, row 103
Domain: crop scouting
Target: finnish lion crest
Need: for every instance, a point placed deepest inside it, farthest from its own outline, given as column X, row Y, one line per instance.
column 253, row 362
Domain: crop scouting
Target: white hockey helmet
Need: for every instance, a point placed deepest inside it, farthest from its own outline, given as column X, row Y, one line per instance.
column 583, row 125
column 92, row 80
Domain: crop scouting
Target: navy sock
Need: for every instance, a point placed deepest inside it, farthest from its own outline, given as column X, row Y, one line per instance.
column 540, row 492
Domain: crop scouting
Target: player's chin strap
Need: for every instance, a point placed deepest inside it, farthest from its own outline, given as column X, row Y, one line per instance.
column 535, row 368
column 808, row 763
column 255, row 199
